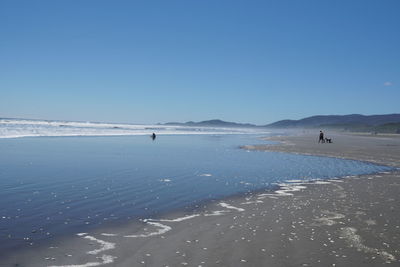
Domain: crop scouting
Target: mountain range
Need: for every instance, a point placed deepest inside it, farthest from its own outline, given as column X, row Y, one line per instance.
column 326, row 120
column 352, row 122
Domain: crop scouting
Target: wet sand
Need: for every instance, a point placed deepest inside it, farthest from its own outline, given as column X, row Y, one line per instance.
column 340, row 222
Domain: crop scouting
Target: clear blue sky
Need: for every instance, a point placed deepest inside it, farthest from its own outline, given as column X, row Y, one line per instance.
column 159, row 61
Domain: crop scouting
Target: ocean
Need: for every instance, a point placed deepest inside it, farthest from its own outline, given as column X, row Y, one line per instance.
column 54, row 186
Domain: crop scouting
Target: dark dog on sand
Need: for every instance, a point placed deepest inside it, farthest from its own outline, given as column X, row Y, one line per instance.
column 328, row 140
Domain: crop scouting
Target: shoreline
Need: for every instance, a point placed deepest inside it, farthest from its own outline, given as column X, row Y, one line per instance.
column 255, row 230
column 297, row 144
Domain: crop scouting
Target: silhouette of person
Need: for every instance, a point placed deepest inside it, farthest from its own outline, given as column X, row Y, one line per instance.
column 153, row 136
column 321, row 137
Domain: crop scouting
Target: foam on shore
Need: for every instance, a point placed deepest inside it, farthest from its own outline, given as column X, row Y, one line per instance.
column 354, row 240
column 104, row 245
column 285, row 189
column 162, row 230
column 225, row 205
column 180, row 219
column 328, row 218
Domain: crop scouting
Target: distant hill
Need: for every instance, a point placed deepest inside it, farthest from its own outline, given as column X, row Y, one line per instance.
column 212, row 123
column 389, row 123
column 338, row 121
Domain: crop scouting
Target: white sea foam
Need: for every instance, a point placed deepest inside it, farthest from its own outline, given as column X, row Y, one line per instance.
column 284, row 190
column 162, row 230
column 355, row 240
column 13, row 128
column 104, row 245
column 306, row 182
column 226, row 205
column 179, row 219
column 106, row 259
column 206, row 174
column 165, row 228
column 81, row 234
column 106, row 234
column 291, row 186
column 322, row 182
column 336, row 180
column 252, row 202
column 288, row 189
column 216, row 213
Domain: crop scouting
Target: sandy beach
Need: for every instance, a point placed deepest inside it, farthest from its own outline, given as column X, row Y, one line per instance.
column 340, row 222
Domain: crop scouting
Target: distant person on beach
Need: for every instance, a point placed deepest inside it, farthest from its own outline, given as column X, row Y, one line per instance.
column 153, row 136
column 321, row 137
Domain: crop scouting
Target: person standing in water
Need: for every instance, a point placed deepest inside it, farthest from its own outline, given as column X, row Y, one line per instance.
column 153, row 136
column 321, row 137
